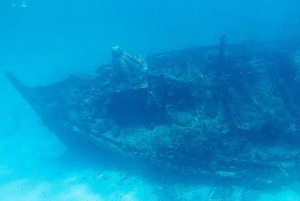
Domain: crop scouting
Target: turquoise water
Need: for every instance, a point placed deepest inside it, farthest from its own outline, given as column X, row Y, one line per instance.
column 45, row 41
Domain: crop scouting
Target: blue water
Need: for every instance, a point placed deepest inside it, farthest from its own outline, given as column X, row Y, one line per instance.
column 45, row 41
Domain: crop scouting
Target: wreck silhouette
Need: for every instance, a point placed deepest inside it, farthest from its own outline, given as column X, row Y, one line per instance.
column 186, row 111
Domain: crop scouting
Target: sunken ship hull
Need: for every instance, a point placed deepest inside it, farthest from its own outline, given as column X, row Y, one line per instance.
column 224, row 112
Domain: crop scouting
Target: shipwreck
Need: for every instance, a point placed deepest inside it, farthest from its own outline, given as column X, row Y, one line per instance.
column 228, row 111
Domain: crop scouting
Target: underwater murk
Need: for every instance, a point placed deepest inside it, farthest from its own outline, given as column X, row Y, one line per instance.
column 149, row 100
